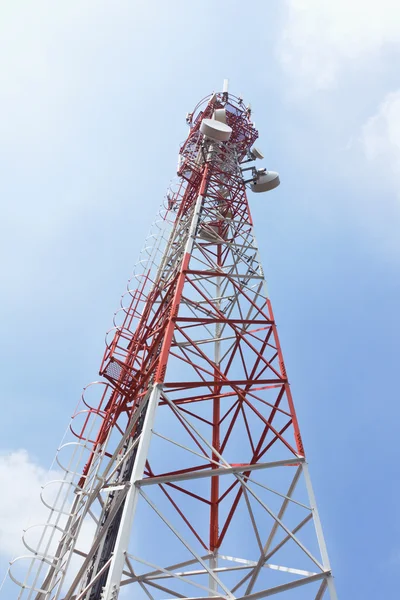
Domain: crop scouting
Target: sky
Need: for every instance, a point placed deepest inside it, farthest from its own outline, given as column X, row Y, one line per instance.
column 93, row 98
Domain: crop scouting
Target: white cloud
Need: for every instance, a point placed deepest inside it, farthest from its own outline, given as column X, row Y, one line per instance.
column 381, row 133
column 20, row 481
column 321, row 37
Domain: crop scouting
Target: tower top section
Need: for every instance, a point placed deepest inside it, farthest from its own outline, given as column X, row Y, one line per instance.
column 231, row 111
column 222, row 118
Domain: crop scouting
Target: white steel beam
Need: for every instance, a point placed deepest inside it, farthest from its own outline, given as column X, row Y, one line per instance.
column 318, row 530
column 121, row 545
column 217, row 472
column 187, row 546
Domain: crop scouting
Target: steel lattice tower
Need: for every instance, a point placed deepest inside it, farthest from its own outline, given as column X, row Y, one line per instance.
column 183, row 473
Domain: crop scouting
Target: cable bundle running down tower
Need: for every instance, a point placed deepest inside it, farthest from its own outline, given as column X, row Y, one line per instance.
column 183, row 472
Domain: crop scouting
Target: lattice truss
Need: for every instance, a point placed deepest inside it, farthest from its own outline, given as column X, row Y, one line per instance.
column 183, row 472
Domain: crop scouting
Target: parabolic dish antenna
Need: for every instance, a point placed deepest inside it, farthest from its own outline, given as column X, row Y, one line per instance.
column 256, row 153
column 220, row 115
column 266, row 182
column 215, row 130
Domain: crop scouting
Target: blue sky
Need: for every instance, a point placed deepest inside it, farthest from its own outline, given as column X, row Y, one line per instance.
column 93, row 97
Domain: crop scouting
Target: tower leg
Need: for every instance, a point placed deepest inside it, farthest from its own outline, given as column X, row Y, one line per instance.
column 111, row 588
column 319, row 532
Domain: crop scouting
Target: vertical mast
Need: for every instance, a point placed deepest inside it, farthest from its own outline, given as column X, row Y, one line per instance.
column 185, row 472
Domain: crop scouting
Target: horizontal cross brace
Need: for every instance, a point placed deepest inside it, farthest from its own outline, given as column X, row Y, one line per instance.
column 217, row 472
column 247, row 382
column 206, row 274
column 223, row 320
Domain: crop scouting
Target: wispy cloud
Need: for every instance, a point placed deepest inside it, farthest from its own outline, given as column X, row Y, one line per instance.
column 21, row 479
column 320, row 39
column 381, row 134
column 21, row 509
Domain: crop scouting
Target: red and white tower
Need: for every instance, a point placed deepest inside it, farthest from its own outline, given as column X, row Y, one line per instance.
column 183, row 473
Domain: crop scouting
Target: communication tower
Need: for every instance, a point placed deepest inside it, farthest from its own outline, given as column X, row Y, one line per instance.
column 183, row 472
